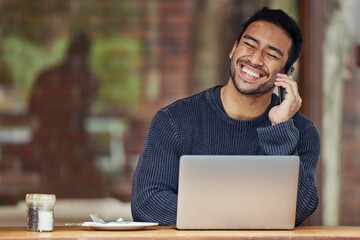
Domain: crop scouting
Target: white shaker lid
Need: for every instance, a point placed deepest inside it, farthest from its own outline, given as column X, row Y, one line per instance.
column 44, row 200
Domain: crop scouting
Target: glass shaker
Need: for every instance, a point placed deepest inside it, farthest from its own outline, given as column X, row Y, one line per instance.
column 40, row 213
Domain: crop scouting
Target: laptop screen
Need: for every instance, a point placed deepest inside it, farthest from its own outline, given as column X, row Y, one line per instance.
column 237, row 192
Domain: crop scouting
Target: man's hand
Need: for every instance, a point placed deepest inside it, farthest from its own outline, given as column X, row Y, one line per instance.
column 291, row 103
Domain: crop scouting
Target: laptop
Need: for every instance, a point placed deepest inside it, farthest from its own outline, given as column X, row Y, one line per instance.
column 237, row 192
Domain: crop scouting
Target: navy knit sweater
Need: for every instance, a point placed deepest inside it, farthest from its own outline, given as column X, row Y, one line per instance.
column 198, row 125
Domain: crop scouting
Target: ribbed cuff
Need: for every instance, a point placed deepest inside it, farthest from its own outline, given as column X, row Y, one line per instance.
column 279, row 139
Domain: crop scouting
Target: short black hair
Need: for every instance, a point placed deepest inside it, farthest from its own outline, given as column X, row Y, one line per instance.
column 281, row 19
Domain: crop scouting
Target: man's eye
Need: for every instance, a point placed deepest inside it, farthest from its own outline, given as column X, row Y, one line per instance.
column 249, row 45
column 272, row 56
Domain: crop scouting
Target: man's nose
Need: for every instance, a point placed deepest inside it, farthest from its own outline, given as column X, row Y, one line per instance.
column 256, row 58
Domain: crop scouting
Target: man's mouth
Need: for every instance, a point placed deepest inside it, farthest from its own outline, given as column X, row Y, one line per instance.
column 250, row 73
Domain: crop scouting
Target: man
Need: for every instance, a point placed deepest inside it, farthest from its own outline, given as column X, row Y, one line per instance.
column 241, row 118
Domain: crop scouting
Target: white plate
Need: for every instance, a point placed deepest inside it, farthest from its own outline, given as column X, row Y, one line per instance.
column 123, row 226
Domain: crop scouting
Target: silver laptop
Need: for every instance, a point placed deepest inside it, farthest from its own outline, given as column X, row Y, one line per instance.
column 237, row 192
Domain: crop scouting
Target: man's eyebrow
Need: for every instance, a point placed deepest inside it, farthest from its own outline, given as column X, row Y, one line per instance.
column 269, row 46
column 251, row 38
column 276, row 50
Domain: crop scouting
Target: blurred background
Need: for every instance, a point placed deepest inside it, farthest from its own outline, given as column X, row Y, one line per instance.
column 80, row 81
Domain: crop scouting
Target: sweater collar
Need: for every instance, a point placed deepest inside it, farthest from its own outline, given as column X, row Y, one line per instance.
column 218, row 108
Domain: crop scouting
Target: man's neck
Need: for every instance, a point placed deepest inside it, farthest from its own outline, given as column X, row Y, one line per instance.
column 243, row 107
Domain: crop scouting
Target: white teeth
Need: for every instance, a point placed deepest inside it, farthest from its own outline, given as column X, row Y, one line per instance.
column 250, row 73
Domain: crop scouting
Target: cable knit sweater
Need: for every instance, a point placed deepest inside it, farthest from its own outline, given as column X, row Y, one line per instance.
column 198, row 125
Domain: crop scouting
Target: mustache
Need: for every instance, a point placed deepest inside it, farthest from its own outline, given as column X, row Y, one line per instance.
column 254, row 66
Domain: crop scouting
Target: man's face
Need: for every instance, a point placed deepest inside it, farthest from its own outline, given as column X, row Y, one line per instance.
column 260, row 54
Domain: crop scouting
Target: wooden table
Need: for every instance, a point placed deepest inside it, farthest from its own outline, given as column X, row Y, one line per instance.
column 65, row 232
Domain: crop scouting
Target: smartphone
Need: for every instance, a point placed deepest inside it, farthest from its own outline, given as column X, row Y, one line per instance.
column 282, row 90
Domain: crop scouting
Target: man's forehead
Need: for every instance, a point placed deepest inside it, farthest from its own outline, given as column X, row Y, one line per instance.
column 264, row 25
column 269, row 34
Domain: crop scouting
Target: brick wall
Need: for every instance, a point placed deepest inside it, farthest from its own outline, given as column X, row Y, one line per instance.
column 165, row 65
column 166, row 32
column 60, row 156
column 350, row 147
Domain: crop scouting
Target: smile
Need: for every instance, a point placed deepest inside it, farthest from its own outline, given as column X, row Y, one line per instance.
column 250, row 73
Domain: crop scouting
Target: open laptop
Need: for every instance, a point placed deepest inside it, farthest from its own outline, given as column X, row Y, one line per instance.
column 237, row 192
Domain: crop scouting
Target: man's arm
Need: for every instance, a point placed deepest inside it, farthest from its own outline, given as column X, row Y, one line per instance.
column 284, row 139
column 154, row 191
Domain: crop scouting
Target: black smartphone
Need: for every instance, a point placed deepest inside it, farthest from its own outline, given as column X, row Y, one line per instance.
column 282, row 90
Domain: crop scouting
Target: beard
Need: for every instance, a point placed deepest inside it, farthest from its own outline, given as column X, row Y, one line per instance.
column 242, row 85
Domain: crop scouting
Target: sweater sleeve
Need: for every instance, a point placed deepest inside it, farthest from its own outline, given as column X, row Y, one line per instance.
column 285, row 139
column 155, row 182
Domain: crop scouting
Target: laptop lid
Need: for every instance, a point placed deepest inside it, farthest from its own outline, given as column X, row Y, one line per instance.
column 237, row 192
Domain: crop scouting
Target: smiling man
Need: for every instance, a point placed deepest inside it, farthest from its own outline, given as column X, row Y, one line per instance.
column 243, row 117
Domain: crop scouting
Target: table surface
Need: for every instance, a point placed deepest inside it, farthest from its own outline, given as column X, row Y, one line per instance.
column 70, row 232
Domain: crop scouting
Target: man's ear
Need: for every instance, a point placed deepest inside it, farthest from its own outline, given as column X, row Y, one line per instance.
column 233, row 49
